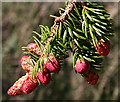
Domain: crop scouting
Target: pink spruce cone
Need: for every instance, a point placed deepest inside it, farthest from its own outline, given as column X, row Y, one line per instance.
column 44, row 77
column 16, row 88
column 92, row 78
column 53, row 64
column 103, row 48
column 24, row 85
column 25, row 63
column 33, row 47
column 82, row 66
column 29, row 85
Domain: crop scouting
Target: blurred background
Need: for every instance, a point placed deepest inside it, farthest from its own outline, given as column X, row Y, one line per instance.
column 18, row 22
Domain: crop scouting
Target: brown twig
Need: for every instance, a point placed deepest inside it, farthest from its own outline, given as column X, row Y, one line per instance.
column 57, row 21
column 67, row 11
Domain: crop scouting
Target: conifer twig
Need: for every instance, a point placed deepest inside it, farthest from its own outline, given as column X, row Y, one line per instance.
column 67, row 11
column 57, row 20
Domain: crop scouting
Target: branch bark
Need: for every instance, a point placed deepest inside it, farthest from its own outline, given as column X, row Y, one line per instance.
column 57, row 22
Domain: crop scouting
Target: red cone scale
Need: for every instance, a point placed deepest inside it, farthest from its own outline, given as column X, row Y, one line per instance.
column 29, row 85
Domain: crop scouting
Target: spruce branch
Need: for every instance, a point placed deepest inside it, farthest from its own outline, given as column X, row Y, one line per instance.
column 58, row 19
column 83, row 28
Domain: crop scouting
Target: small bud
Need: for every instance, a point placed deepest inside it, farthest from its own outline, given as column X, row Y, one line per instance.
column 82, row 66
column 92, row 78
column 44, row 77
column 52, row 64
column 57, row 20
column 103, row 48
column 33, row 47
column 25, row 63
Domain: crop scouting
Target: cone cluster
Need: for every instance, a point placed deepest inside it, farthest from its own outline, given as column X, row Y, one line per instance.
column 78, row 30
column 27, row 83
